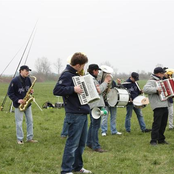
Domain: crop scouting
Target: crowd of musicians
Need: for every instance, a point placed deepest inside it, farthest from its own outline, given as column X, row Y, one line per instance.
column 75, row 127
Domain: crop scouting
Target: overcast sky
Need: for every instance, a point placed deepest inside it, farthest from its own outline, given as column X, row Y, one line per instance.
column 132, row 35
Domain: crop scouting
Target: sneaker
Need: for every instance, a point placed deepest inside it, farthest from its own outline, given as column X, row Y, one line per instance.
column 103, row 134
column 84, row 171
column 32, row 141
column 118, row 133
column 153, row 144
column 146, row 130
column 20, row 142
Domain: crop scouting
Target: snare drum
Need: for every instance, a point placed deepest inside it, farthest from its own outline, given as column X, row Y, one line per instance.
column 118, row 97
column 140, row 101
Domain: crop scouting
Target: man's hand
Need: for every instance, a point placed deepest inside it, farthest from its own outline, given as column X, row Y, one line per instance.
column 159, row 90
column 118, row 81
column 77, row 89
column 21, row 101
column 32, row 91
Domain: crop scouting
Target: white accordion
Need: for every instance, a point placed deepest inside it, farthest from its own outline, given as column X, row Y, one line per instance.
column 89, row 93
column 167, row 88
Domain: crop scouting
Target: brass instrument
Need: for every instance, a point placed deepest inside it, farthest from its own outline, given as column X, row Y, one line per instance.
column 169, row 72
column 28, row 97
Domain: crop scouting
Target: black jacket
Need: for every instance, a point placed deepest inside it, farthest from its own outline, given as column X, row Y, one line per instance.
column 65, row 88
column 132, row 88
column 18, row 89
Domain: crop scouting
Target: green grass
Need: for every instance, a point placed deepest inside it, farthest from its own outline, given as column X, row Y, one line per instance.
column 127, row 154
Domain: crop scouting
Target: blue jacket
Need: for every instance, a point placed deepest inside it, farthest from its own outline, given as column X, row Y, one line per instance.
column 18, row 89
column 132, row 88
column 65, row 88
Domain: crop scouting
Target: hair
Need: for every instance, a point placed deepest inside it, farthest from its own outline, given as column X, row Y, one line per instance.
column 90, row 71
column 78, row 58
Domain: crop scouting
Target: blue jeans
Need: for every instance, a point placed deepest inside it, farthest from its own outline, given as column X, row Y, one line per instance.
column 93, row 133
column 75, row 143
column 19, row 121
column 140, row 118
column 64, row 132
column 104, row 122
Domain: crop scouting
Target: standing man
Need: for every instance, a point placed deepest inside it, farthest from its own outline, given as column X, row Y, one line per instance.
column 76, row 116
column 93, row 140
column 17, row 91
column 160, row 108
column 134, row 91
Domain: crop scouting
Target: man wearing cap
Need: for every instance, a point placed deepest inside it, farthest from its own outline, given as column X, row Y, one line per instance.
column 17, row 91
column 134, row 91
column 92, row 140
column 160, row 108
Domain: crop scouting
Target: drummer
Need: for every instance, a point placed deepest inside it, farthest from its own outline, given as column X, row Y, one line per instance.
column 134, row 91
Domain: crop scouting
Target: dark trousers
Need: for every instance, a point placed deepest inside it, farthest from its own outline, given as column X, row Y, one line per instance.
column 159, row 124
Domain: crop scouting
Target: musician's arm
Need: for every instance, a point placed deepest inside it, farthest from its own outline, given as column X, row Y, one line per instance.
column 102, row 87
column 150, row 87
column 11, row 92
column 64, row 86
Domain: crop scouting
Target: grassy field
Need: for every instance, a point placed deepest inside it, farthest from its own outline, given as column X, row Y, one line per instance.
column 129, row 153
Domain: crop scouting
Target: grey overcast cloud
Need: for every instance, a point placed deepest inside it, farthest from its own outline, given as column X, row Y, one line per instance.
column 132, row 35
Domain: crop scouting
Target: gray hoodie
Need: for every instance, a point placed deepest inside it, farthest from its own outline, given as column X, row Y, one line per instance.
column 151, row 89
column 100, row 102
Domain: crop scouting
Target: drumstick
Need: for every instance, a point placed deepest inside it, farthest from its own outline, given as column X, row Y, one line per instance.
column 139, row 88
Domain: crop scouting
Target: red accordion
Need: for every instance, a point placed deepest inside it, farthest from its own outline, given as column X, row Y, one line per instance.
column 167, row 87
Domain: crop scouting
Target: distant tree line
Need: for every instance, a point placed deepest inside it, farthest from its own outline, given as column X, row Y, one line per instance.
column 44, row 71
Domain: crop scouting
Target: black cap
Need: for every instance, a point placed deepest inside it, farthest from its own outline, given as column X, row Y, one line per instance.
column 135, row 76
column 94, row 67
column 159, row 70
column 24, row 67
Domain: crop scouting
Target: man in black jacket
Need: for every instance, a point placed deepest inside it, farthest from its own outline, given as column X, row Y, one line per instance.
column 134, row 91
column 17, row 91
column 76, row 115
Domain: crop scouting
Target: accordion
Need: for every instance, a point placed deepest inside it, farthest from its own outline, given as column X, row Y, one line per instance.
column 89, row 93
column 167, row 88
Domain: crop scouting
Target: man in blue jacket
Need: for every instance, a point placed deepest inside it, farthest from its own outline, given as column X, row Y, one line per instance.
column 134, row 92
column 76, row 115
column 17, row 91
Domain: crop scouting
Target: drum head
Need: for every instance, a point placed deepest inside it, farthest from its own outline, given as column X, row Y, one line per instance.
column 140, row 101
column 112, row 97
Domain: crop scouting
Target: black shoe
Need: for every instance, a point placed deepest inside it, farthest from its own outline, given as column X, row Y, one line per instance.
column 89, row 146
column 146, row 130
column 153, row 143
column 100, row 150
column 163, row 142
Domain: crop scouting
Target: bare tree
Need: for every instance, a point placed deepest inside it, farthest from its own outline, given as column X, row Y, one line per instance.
column 43, row 66
column 58, row 65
